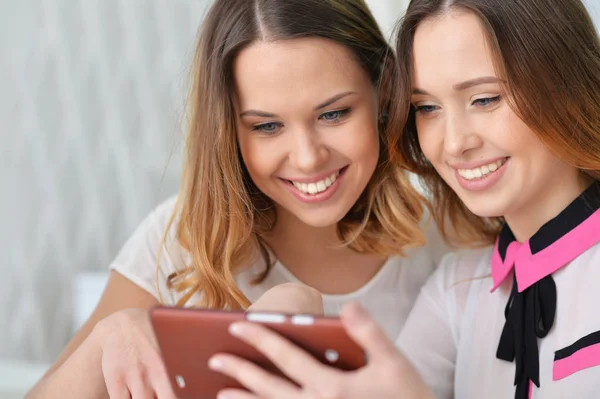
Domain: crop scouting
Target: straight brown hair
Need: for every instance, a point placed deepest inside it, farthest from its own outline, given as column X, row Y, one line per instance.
column 548, row 54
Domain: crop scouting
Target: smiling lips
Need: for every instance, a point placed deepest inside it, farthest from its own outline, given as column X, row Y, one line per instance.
column 480, row 178
column 482, row 171
column 316, row 187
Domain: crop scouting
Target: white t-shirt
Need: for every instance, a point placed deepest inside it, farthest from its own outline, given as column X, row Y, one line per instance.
column 453, row 332
column 388, row 296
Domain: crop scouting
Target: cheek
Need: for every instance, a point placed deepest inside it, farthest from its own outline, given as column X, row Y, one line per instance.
column 365, row 146
column 371, row 143
column 427, row 142
column 361, row 133
column 369, row 131
column 250, row 156
column 513, row 135
column 356, row 142
column 261, row 158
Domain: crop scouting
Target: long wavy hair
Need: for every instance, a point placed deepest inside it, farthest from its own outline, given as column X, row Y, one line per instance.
column 548, row 54
column 221, row 215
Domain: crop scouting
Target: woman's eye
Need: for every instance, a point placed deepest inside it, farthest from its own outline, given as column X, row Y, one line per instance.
column 269, row 128
column 334, row 116
column 486, row 102
column 426, row 109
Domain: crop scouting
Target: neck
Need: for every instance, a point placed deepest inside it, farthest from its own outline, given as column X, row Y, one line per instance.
column 527, row 220
column 291, row 235
column 316, row 256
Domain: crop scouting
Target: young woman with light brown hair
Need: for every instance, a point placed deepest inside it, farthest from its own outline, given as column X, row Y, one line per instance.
column 287, row 179
column 498, row 110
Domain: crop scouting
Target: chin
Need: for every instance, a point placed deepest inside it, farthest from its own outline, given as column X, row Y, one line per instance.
column 320, row 218
column 319, row 221
column 487, row 210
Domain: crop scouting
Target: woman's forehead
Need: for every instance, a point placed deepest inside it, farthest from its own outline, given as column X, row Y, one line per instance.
column 295, row 69
column 451, row 47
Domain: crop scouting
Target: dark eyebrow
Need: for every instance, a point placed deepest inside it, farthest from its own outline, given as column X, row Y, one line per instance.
column 467, row 84
column 333, row 100
column 263, row 114
column 417, row 91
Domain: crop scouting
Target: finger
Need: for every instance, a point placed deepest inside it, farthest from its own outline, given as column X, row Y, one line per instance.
column 291, row 360
column 117, row 388
column 253, row 377
column 161, row 382
column 366, row 333
column 140, row 389
column 236, row 394
column 119, row 393
column 164, row 389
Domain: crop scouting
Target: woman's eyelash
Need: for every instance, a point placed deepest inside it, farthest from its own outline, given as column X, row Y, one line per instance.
column 329, row 116
column 426, row 109
column 334, row 116
column 484, row 102
column 269, row 127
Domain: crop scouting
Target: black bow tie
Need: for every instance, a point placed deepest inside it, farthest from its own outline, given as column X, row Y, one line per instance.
column 529, row 316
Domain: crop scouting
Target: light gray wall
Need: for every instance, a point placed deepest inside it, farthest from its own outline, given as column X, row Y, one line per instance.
column 91, row 110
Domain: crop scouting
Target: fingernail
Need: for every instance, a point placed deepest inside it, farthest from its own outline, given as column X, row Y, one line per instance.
column 235, row 329
column 222, row 396
column 215, row 364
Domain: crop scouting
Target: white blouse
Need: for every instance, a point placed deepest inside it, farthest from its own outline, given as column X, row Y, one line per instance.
column 454, row 331
column 388, row 296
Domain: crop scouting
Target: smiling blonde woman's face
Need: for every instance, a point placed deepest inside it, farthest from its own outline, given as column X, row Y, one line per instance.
column 306, row 125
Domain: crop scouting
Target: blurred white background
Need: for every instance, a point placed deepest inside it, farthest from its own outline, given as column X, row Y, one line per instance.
column 91, row 96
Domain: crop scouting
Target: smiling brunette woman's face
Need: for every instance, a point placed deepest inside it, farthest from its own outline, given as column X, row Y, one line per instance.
column 467, row 130
column 306, row 126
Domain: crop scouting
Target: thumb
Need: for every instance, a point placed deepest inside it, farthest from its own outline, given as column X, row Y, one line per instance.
column 366, row 333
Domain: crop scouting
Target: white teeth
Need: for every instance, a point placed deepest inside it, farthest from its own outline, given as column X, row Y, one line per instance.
column 317, row 187
column 484, row 170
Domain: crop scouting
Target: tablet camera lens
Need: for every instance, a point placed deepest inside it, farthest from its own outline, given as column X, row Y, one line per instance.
column 180, row 381
column 331, row 355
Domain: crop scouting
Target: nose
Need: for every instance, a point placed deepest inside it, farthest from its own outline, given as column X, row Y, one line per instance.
column 460, row 136
column 308, row 153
